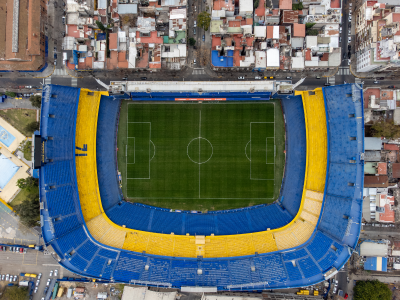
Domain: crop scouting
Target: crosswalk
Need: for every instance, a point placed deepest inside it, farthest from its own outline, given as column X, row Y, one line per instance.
column 357, row 80
column 47, row 80
column 74, row 82
column 331, row 80
column 343, row 71
column 60, row 72
column 198, row 71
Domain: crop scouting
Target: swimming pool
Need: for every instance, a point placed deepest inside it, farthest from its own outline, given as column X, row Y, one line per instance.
column 8, row 170
column 5, row 137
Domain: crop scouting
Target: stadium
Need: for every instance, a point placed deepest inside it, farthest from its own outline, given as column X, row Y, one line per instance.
column 304, row 237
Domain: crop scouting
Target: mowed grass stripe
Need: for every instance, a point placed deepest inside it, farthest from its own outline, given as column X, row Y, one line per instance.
column 225, row 178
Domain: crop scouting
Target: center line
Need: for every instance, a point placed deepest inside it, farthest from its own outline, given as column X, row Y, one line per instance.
column 199, row 149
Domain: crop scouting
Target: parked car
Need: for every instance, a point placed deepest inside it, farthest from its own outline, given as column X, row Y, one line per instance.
column 36, row 289
column 3, row 277
column 194, row 61
column 380, row 78
column 349, row 39
column 340, row 29
column 195, row 23
column 1, row 248
column 21, row 250
column 125, row 78
column 55, row 49
column 376, row 82
column 45, row 290
column 241, row 77
column 10, row 248
column 24, row 250
column 257, row 77
column 349, row 18
column 327, row 84
column 349, row 62
column 194, row 31
column 204, row 37
column 16, row 249
column 28, row 86
column 7, row 277
column 391, row 87
column 288, row 77
column 37, row 282
column 51, row 273
column 349, row 31
column 48, row 282
column 349, row 54
column 39, row 276
column 15, row 277
column 55, row 272
column 142, row 78
column 340, row 39
column 349, row 47
column 317, row 77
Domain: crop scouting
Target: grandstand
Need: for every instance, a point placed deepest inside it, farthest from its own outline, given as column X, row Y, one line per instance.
column 301, row 239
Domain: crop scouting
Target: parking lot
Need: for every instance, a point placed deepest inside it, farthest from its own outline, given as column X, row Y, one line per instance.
column 31, row 262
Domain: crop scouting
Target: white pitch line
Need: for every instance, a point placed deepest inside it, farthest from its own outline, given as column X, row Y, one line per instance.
column 199, row 149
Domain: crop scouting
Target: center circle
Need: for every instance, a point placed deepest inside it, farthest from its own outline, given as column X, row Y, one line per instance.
column 200, row 150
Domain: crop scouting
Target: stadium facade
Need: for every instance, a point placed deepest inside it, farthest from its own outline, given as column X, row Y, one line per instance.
column 303, row 238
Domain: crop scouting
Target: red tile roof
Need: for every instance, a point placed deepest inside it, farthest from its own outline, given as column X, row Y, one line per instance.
column 396, row 170
column 260, row 10
column 285, row 4
column 388, row 215
column 299, row 30
column 216, row 41
column 308, row 54
column 270, row 32
column 396, row 17
column 113, row 40
column 153, row 38
column 391, row 147
column 382, row 168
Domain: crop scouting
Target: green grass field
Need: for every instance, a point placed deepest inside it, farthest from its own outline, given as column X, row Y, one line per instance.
column 201, row 156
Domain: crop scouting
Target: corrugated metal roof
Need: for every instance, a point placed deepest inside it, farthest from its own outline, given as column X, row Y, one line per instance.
column 372, row 143
column 373, row 249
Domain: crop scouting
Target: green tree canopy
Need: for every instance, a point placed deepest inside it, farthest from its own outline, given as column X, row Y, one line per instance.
column 312, row 32
column 36, row 100
column 371, row 290
column 203, row 20
column 10, row 94
column 384, row 128
column 29, row 211
column 32, row 126
column 101, row 26
column 28, row 183
column 309, row 25
column 192, row 41
column 15, row 293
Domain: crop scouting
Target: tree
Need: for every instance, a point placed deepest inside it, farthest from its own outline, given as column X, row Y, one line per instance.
column 192, row 41
column 384, row 128
column 10, row 94
column 36, row 100
column 28, row 183
column 203, row 20
column 256, row 3
column 309, row 25
column 15, row 293
column 312, row 32
column 101, row 26
column 371, row 290
column 29, row 210
column 32, row 126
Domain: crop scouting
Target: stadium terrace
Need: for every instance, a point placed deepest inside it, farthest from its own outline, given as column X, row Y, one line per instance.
column 302, row 238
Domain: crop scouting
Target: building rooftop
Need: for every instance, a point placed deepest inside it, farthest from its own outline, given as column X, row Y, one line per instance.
column 285, row 4
column 299, row 30
column 260, row 31
column 22, row 45
column 290, row 16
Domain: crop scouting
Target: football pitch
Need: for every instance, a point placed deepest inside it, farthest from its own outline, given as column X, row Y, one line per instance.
column 201, row 156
